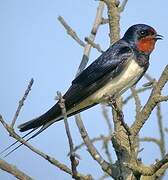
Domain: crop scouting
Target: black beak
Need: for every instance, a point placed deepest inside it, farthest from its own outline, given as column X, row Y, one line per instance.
column 158, row 37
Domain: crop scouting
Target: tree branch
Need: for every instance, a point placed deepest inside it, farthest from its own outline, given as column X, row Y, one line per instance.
column 94, row 45
column 70, row 31
column 87, row 49
column 153, row 100
column 21, row 102
column 148, row 170
column 120, row 117
column 160, row 172
column 114, row 19
column 13, row 170
column 74, row 162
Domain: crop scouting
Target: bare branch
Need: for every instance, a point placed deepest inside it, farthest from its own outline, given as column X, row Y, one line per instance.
column 21, row 102
column 94, row 45
column 74, row 162
column 160, row 172
column 114, row 18
column 13, row 170
column 112, row 102
column 153, row 100
column 87, row 49
column 148, row 170
column 70, row 31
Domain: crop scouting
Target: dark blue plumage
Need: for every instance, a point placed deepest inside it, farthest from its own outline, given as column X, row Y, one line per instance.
column 118, row 68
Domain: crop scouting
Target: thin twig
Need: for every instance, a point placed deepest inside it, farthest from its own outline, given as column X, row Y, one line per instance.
column 94, row 45
column 70, row 31
column 87, row 49
column 21, row 102
column 14, row 170
column 74, row 162
column 122, row 136
column 63, row 109
column 120, row 116
column 153, row 100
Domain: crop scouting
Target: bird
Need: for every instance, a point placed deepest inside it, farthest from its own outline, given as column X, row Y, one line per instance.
column 117, row 69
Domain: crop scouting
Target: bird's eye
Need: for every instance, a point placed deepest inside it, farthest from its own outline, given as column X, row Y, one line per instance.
column 143, row 33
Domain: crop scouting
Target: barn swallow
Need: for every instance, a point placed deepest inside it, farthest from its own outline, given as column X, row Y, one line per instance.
column 118, row 68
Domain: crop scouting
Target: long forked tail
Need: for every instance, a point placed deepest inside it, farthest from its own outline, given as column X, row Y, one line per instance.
column 53, row 114
column 34, row 135
column 44, row 121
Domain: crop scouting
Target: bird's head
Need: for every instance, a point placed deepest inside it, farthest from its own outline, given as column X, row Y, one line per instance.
column 142, row 37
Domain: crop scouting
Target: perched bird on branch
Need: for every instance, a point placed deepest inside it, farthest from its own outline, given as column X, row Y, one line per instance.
column 118, row 68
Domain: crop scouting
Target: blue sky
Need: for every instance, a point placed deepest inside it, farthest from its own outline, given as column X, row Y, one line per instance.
column 34, row 44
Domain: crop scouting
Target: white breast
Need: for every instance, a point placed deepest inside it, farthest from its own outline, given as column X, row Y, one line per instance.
column 120, row 83
column 116, row 85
